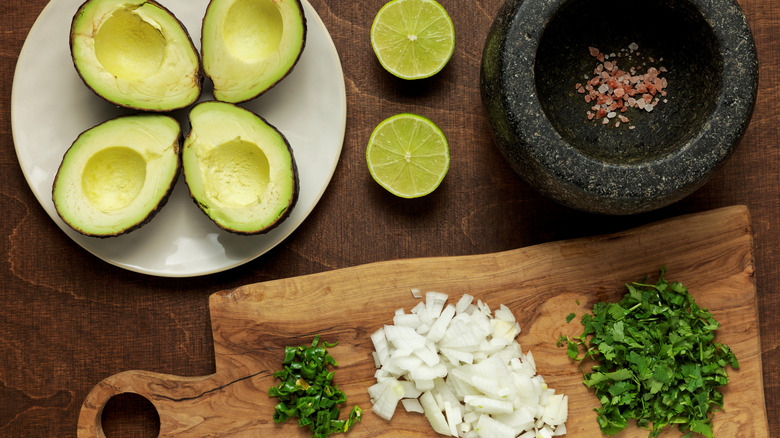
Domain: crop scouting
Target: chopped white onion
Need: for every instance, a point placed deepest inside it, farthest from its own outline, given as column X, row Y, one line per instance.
column 434, row 414
column 461, row 366
column 385, row 396
column 412, row 405
column 407, row 320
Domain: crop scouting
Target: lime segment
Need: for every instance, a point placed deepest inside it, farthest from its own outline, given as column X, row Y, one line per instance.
column 408, row 155
column 413, row 39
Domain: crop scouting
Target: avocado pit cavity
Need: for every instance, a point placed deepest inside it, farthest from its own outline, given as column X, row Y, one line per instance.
column 236, row 173
column 113, row 178
column 252, row 29
column 129, row 47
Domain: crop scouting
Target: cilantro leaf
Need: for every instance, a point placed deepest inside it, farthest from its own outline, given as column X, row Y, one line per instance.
column 656, row 360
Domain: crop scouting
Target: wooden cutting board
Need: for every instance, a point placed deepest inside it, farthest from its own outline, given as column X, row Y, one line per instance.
column 709, row 252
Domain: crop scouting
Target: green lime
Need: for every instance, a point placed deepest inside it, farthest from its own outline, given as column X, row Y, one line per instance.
column 408, row 155
column 413, row 39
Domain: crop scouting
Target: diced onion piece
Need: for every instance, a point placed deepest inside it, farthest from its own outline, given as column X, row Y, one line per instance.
column 463, row 303
column 544, row 432
column 434, row 414
column 440, row 326
column 425, row 372
column 487, row 427
column 456, row 357
column 407, row 320
column 380, row 345
column 504, row 314
column 428, row 354
column 506, row 330
column 461, row 366
column 556, row 410
column 519, row 419
column 412, row 405
column 488, row 405
column 406, row 363
column 453, row 417
column 385, row 396
column 423, row 384
column 434, row 302
column 410, row 390
column 403, row 337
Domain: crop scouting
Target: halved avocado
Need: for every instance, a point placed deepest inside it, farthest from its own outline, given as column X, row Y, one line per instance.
column 239, row 168
column 117, row 175
column 248, row 46
column 136, row 54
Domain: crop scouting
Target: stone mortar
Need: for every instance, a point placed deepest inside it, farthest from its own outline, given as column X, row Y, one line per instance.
column 537, row 50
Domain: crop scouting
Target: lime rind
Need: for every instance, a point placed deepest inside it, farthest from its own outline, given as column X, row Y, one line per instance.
column 408, row 155
column 413, row 39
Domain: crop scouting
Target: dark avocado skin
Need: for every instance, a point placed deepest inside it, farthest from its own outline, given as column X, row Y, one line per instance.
column 200, row 77
column 149, row 217
column 297, row 58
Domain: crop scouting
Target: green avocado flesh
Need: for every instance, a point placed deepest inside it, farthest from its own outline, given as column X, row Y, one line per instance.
column 135, row 54
column 248, row 46
column 117, row 175
column 240, row 170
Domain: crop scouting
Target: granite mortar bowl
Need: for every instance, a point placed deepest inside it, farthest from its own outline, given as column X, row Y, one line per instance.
column 538, row 50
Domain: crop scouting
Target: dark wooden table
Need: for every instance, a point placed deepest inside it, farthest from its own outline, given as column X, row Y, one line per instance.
column 68, row 319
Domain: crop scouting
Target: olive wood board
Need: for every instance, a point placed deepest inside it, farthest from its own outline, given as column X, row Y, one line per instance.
column 708, row 252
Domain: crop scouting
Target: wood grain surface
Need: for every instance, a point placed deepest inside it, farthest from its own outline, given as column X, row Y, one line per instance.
column 69, row 320
column 541, row 284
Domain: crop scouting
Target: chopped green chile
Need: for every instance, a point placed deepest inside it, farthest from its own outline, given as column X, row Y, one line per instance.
column 306, row 391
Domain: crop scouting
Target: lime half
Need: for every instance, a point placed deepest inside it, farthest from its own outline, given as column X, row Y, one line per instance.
column 413, row 39
column 408, row 155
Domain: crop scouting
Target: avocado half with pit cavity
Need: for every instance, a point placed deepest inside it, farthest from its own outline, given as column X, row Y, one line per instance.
column 248, row 46
column 117, row 175
column 136, row 54
column 239, row 168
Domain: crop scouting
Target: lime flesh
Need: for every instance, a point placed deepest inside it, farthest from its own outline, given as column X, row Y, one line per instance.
column 408, row 155
column 413, row 39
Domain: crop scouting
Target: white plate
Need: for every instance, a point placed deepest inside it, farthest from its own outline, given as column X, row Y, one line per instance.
column 50, row 106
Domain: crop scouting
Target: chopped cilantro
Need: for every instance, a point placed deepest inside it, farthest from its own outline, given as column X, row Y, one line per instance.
column 656, row 361
column 307, row 391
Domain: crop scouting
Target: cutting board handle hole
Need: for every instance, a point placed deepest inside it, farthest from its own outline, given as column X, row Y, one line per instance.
column 130, row 415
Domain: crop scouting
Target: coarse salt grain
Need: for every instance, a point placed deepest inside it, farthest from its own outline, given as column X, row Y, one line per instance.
column 613, row 89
